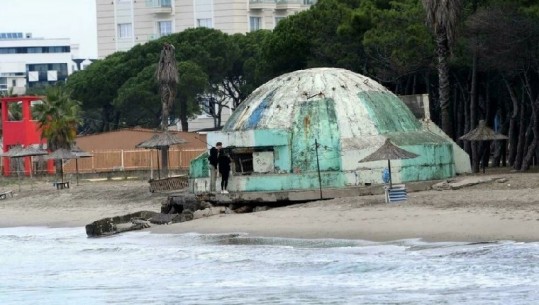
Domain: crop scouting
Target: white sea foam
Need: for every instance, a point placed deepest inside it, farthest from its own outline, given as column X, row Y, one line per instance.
column 63, row 266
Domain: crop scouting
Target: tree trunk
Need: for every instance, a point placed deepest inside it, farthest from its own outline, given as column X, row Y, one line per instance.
column 473, row 115
column 164, row 161
column 183, row 115
column 520, row 140
column 165, row 113
column 534, row 101
column 443, row 85
column 489, row 119
column 500, row 154
column 512, row 134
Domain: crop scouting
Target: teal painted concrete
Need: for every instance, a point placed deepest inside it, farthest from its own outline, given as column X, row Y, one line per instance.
column 199, row 167
column 435, row 161
column 388, row 113
column 302, row 181
column 316, row 120
column 283, row 158
column 271, row 137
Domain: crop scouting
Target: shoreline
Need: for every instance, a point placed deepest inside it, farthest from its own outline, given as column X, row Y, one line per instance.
column 485, row 212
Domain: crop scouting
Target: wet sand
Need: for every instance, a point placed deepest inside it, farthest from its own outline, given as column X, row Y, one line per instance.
column 484, row 212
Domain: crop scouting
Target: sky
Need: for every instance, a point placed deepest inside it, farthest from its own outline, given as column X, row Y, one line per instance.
column 73, row 19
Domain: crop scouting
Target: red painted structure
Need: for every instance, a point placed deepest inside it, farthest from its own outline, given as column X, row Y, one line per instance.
column 24, row 132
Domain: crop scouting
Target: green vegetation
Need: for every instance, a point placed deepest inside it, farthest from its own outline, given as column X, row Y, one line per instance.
column 58, row 117
column 477, row 60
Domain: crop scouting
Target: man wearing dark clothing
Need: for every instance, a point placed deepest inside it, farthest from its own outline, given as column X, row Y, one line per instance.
column 224, row 169
column 214, row 161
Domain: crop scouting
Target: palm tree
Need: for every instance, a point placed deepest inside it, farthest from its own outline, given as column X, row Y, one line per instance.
column 167, row 76
column 442, row 16
column 58, row 117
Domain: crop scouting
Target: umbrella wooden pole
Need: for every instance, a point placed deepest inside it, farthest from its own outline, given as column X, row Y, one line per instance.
column 318, row 166
column 158, row 168
column 19, row 175
column 31, row 170
column 151, row 165
column 389, row 168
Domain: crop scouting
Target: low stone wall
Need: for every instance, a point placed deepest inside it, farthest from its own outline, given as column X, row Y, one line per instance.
column 174, row 209
column 169, row 184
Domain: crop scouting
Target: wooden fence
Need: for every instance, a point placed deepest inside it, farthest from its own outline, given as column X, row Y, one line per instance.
column 135, row 159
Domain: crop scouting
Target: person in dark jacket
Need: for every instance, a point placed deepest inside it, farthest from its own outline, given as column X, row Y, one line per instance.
column 224, row 170
column 213, row 160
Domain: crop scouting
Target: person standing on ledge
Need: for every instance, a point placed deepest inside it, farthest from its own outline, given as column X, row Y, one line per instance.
column 224, row 170
column 214, row 161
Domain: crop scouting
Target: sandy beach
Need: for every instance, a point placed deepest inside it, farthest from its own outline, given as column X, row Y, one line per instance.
column 484, row 212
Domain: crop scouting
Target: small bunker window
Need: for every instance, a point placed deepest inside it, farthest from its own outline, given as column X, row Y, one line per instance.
column 243, row 158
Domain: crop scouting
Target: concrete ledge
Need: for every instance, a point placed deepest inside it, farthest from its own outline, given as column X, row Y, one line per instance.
column 310, row 195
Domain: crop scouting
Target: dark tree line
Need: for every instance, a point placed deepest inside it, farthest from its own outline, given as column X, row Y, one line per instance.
column 477, row 60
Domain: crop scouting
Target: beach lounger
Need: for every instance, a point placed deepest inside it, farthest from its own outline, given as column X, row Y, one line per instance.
column 396, row 193
column 61, row 185
column 3, row 195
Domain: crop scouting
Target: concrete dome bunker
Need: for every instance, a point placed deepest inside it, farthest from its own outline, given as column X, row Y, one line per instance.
column 271, row 136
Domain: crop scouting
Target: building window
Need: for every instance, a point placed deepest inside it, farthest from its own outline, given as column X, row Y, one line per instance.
column 25, row 50
column 125, row 30
column 11, row 35
column 43, row 74
column 165, row 28
column 14, row 111
column 35, row 50
column 13, row 83
column 3, row 84
column 34, row 111
column 204, row 23
column 278, row 19
column 254, row 23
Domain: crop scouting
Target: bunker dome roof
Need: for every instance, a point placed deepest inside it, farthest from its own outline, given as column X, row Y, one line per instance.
column 359, row 105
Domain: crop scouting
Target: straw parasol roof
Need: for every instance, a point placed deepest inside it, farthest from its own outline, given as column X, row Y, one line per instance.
column 163, row 139
column 61, row 154
column 389, row 151
column 482, row 133
column 79, row 153
column 31, row 151
column 19, row 152
column 12, row 152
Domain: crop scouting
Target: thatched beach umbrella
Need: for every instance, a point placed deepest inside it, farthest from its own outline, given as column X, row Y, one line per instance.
column 79, row 153
column 483, row 133
column 388, row 152
column 30, row 151
column 167, row 77
column 161, row 141
column 61, row 154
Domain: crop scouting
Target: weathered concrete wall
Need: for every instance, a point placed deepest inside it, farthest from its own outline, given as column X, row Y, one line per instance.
column 274, row 182
column 349, row 115
column 461, row 158
column 200, row 167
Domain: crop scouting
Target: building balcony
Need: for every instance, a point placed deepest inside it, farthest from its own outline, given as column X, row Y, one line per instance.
column 160, row 6
column 261, row 4
column 288, row 4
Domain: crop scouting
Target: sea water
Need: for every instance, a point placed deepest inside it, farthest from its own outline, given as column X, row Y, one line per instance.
column 63, row 266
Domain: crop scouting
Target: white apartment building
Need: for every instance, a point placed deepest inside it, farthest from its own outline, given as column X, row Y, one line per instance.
column 27, row 62
column 121, row 24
